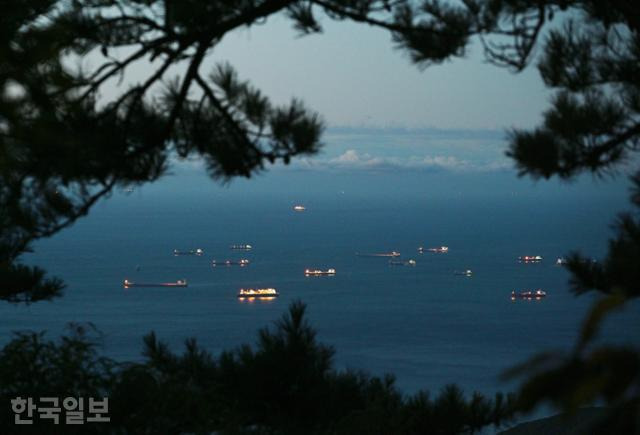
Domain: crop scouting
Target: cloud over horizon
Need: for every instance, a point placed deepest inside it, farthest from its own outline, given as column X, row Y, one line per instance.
column 352, row 159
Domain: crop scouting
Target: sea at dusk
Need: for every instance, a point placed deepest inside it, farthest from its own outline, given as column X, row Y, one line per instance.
column 424, row 324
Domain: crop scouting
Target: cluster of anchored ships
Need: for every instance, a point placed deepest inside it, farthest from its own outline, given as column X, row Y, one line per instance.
column 268, row 293
column 263, row 293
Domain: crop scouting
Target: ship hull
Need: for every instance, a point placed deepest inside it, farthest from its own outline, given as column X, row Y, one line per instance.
column 160, row 284
column 378, row 255
column 258, row 296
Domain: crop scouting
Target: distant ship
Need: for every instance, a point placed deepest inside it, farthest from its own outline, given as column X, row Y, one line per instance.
column 178, row 283
column 299, row 208
column 530, row 259
column 242, row 262
column 402, row 263
column 561, row 261
column 528, row 294
column 463, row 272
column 318, row 272
column 441, row 249
column 241, row 247
column 381, row 254
column 258, row 293
column 190, row 252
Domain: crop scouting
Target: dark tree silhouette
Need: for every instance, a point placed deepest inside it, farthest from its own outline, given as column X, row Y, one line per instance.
column 286, row 385
column 62, row 148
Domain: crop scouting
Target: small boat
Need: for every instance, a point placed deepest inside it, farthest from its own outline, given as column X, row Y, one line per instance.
column 561, row 261
column 198, row 252
column 299, row 208
column 179, row 283
column 258, row 293
column 318, row 272
column 530, row 259
column 381, row 254
column 467, row 272
column 241, row 247
column 402, row 263
column 528, row 294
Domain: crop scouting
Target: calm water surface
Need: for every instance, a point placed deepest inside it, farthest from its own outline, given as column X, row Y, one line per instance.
column 424, row 324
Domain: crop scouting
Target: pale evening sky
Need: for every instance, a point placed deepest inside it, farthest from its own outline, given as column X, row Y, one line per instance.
column 353, row 76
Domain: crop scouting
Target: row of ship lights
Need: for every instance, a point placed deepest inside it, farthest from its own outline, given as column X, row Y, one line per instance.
column 269, row 293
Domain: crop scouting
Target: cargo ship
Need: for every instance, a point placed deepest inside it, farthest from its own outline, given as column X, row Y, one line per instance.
column 530, row 259
column 381, row 254
column 179, row 283
column 258, row 293
column 190, row 252
column 440, row 249
column 318, row 272
column 299, row 208
column 402, row 263
column 528, row 294
column 242, row 262
column 241, row 247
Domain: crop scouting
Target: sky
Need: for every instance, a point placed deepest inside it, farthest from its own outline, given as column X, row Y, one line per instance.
column 354, row 76
column 385, row 116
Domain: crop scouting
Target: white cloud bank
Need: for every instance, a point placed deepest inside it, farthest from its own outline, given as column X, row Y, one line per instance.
column 351, row 159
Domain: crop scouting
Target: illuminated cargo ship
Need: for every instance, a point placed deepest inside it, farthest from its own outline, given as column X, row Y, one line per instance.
column 382, row 254
column 241, row 247
column 258, row 293
column 402, row 263
column 530, row 259
column 317, row 272
column 528, row 294
column 242, row 262
column 190, row 252
column 440, row 249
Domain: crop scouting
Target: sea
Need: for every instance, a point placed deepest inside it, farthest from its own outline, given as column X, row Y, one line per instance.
column 423, row 324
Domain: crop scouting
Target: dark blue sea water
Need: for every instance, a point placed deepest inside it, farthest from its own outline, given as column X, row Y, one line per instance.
column 424, row 324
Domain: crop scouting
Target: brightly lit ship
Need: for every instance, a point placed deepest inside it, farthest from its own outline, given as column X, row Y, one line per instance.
column 178, row 283
column 242, row 262
column 530, row 259
column 241, row 247
column 402, row 263
column 258, row 293
column 299, row 208
column 190, row 252
column 381, row 254
column 528, row 294
column 440, row 249
column 318, row 272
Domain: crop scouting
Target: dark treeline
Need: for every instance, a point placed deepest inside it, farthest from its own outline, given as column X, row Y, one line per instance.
column 286, row 384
